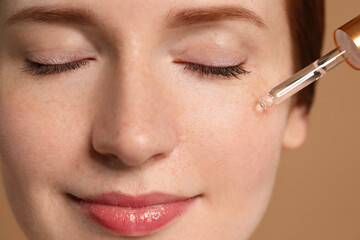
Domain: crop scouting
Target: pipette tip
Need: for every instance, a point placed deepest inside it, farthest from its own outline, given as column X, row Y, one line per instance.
column 265, row 102
column 260, row 107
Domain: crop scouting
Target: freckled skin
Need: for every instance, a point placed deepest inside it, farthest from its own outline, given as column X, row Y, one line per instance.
column 135, row 122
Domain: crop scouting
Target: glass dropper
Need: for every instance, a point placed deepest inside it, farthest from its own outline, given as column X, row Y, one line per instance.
column 301, row 79
column 347, row 40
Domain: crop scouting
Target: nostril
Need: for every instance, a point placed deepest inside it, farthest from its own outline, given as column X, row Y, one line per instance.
column 112, row 159
column 158, row 156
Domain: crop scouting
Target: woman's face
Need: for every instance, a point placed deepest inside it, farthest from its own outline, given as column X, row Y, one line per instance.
column 133, row 118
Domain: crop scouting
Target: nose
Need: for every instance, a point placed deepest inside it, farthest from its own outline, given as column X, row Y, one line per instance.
column 136, row 118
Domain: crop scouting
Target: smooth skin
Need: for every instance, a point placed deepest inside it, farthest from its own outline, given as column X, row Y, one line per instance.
column 133, row 120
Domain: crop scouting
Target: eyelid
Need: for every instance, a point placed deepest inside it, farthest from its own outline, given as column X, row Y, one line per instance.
column 59, row 56
column 211, row 57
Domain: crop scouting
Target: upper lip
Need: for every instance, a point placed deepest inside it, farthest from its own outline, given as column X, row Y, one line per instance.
column 145, row 200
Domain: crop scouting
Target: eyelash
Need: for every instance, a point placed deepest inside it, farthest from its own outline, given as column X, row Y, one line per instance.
column 228, row 72
column 35, row 68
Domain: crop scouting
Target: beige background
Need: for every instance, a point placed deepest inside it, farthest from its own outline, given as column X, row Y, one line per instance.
column 317, row 193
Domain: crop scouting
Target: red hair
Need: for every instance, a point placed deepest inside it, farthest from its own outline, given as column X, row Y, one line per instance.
column 306, row 19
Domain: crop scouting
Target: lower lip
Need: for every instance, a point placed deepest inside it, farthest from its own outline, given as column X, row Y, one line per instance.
column 140, row 221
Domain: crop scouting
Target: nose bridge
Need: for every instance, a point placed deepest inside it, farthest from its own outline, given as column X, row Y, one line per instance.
column 137, row 121
column 140, row 95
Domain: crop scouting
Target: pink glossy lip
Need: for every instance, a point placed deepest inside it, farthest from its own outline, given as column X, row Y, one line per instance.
column 135, row 216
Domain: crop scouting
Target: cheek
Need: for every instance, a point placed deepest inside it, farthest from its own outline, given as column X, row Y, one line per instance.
column 37, row 137
column 26, row 143
column 42, row 125
column 25, row 154
column 236, row 151
column 227, row 134
column 40, row 142
column 239, row 146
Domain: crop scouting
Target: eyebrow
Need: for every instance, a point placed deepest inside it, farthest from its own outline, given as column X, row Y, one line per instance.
column 217, row 13
column 175, row 18
column 46, row 14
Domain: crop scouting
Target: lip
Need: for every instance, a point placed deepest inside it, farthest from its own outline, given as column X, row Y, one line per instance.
column 134, row 215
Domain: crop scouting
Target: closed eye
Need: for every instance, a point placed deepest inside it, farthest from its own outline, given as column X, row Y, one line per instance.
column 228, row 72
column 36, row 68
